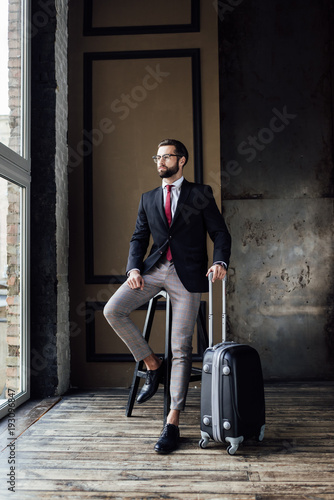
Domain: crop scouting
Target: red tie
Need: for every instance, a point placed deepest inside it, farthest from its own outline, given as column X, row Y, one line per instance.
column 168, row 212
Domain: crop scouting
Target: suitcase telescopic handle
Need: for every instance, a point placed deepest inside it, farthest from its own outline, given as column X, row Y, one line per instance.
column 211, row 310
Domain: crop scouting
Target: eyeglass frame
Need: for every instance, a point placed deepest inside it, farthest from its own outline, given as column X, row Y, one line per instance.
column 165, row 157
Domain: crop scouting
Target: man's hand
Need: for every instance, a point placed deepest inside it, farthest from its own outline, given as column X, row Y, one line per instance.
column 219, row 272
column 135, row 280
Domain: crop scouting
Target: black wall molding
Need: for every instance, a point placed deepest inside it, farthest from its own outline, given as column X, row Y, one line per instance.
column 89, row 58
column 90, row 30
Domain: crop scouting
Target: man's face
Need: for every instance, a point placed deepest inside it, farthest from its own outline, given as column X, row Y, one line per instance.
column 168, row 168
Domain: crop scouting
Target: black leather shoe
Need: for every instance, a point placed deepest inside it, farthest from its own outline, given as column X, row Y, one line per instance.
column 153, row 377
column 169, row 439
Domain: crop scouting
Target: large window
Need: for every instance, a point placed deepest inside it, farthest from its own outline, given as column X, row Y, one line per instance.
column 14, row 202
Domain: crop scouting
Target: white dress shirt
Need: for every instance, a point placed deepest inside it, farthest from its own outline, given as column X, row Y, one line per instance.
column 174, row 193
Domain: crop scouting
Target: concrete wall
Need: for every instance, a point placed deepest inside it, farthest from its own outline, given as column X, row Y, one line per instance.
column 277, row 159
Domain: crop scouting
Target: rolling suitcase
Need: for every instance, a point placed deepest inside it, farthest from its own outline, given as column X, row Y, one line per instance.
column 232, row 391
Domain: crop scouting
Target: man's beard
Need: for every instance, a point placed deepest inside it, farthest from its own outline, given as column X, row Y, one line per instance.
column 165, row 174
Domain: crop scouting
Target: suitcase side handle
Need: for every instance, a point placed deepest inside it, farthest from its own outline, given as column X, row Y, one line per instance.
column 211, row 310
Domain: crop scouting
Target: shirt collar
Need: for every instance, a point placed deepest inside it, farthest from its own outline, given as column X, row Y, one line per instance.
column 176, row 184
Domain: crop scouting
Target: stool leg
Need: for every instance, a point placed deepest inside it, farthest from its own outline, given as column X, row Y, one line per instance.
column 139, row 365
column 134, row 389
column 202, row 336
column 168, row 358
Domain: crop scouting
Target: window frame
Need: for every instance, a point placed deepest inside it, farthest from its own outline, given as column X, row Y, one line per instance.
column 16, row 168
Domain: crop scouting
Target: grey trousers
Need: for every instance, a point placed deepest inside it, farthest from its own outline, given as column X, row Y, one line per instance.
column 185, row 307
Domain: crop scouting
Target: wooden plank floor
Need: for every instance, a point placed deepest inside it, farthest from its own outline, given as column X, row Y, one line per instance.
column 85, row 448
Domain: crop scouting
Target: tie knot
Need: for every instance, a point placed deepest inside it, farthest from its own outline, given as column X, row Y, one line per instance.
column 169, row 187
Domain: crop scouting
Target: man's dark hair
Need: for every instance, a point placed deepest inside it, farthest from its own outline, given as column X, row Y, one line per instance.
column 180, row 148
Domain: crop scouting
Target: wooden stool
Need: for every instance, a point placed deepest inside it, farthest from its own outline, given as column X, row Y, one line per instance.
column 202, row 342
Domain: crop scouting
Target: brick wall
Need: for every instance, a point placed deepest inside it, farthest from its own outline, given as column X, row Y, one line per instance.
column 14, row 73
column 12, row 200
column 13, row 283
column 49, row 228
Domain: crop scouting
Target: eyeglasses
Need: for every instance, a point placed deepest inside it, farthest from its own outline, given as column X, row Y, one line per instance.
column 164, row 157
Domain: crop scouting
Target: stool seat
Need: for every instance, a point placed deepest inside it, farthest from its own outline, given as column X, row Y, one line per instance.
column 139, row 372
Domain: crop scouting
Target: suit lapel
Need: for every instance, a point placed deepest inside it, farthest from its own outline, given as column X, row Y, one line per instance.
column 160, row 205
column 185, row 190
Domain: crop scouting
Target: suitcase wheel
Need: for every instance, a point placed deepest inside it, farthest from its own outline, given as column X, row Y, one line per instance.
column 232, row 449
column 234, row 444
column 261, row 435
column 203, row 443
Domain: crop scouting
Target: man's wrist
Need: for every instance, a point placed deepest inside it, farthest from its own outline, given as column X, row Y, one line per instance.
column 220, row 263
column 134, row 269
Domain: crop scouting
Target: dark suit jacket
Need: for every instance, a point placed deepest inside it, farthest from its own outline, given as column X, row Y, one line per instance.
column 196, row 215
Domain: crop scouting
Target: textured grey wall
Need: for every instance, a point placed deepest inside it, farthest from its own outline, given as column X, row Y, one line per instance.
column 276, row 81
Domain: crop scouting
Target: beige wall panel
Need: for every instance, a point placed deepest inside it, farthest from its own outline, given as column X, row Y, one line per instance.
column 143, row 112
column 99, row 374
column 144, row 13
